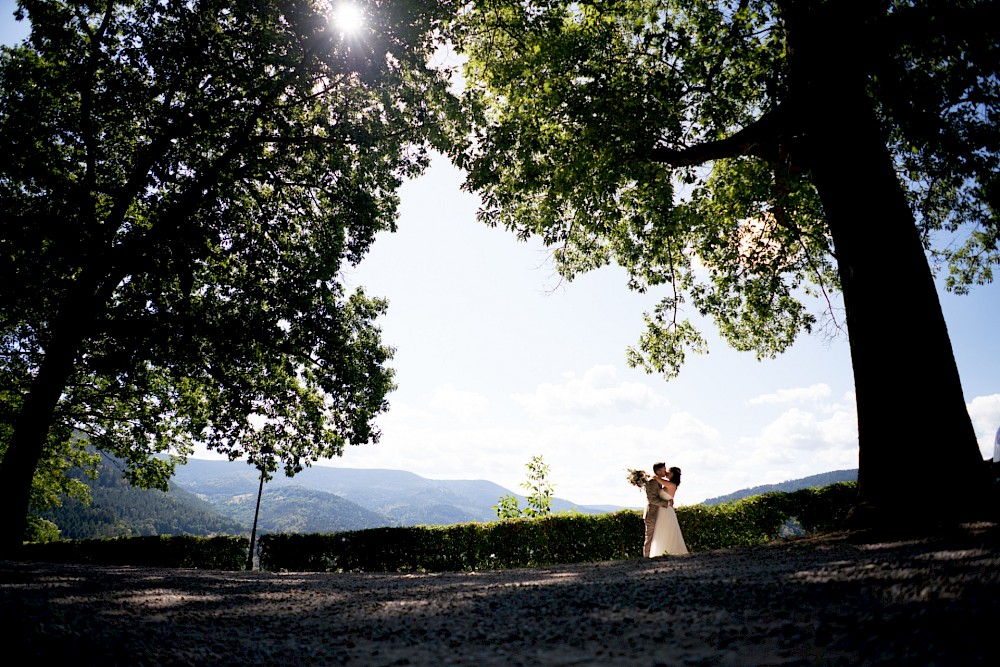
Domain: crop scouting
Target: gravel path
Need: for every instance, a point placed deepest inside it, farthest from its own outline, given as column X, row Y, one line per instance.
column 826, row 600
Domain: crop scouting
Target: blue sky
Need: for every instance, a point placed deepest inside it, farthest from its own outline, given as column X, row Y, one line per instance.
column 497, row 362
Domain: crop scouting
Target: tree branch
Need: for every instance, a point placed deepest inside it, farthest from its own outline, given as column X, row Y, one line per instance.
column 759, row 139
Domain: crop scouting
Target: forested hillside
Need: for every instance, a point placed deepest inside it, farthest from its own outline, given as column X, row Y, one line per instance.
column 118, row 509
column 822, row 479
column 296, row 509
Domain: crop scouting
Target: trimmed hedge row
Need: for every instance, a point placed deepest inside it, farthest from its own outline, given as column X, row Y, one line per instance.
column 207, row 553
column 519, row 542
column 571, row 538
column 759, row 519
column 523, row 542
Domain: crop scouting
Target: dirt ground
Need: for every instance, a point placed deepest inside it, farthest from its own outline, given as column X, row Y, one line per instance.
column 829, row 600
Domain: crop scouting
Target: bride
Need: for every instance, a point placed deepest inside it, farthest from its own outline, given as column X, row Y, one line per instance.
column 667, row 537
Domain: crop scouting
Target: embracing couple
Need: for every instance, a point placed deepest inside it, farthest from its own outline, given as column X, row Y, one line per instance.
column 663, row 533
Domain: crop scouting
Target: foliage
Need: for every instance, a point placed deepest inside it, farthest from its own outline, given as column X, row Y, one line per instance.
column 41, row 530
column 520, row 542
column 540, row 494
column 508, row 507
column 213, row 553
column 184, row 184
column 540, row 490
column 758, row 519
column 54, row 481
column 569, row 100
column 659, row 135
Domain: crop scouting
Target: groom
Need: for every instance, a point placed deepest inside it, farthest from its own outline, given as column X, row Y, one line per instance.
column 653, row 505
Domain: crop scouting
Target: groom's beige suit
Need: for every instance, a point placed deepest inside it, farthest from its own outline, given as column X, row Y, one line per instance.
column 653, row 505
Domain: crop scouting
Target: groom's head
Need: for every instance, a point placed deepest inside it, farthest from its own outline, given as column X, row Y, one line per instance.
column 659, row 469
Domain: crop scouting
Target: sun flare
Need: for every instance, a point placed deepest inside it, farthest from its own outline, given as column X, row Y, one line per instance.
column 348, row 17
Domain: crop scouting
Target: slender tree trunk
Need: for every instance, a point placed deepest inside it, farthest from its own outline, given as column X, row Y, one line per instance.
column 256, row 513
column 918, row 454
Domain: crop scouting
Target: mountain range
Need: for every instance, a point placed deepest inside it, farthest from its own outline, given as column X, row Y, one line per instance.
column 348, row 498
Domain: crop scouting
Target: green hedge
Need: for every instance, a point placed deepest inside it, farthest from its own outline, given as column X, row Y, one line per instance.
column 523, row 542
column 209, row 553
column 571, row 538
column 759, row 519
column 519, row 542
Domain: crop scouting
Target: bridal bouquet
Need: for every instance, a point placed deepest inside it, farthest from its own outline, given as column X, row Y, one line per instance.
column 637, row 477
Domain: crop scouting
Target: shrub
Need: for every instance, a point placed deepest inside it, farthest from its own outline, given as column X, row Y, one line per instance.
column 213, row 553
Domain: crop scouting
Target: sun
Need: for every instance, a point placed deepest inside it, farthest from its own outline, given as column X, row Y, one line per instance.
column 348, row 17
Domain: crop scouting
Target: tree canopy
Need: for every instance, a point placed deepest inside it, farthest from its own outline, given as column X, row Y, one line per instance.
column 745, row 156
column 183, row 186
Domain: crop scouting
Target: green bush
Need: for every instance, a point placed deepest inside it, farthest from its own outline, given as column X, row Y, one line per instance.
column 211, row 553
column 759, row 519
column 41, row 530
column 520, row 542
column 569, row 538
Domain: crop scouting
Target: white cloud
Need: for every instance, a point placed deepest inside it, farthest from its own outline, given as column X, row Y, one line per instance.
column 404, row 413
column 599, row 389
column 455, row 403
column 985, row 414
column 797, row 429
column 812, row 393
column 587, row 461
column 800, row 443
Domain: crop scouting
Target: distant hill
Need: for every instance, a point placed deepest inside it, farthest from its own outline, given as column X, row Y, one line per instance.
column 397, row 497
column 118, row 509
column 823, row 479
column 296, row 509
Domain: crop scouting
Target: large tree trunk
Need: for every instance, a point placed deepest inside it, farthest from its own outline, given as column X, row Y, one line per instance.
column 31, row 432
column 918, row 454
column 83, row 306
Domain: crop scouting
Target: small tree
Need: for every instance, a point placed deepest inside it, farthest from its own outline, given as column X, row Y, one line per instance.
column 540, row 493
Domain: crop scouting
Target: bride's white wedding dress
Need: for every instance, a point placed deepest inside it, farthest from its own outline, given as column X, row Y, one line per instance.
column 667, row 537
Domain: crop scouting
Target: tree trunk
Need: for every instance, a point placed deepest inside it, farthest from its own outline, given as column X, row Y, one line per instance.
column 31, row 432
column 256, row 513
column 83, row 305
column 918, row 455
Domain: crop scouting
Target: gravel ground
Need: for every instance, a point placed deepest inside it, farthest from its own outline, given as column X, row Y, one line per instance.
column 833, row 599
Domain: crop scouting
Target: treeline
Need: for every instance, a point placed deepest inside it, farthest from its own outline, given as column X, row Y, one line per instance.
column 822, row 479
column 118, row 509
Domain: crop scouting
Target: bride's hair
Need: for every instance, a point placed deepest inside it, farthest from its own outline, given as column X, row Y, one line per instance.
column 675, row 475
